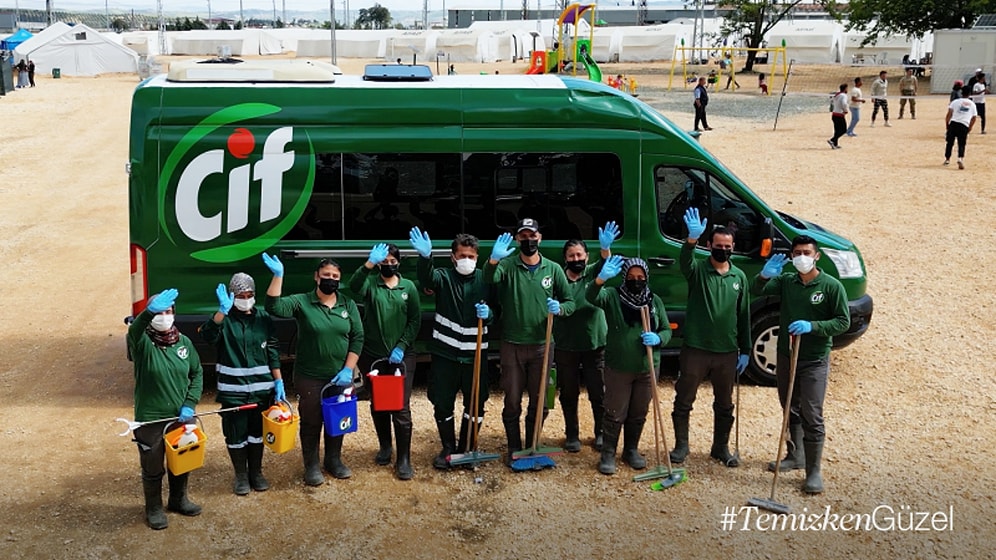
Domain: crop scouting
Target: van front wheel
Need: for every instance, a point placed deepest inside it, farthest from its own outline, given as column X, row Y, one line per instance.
column 764, row 350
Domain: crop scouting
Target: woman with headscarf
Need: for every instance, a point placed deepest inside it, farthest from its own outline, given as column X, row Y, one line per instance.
column 627, row 376
column 248, row 372
column 168, row 383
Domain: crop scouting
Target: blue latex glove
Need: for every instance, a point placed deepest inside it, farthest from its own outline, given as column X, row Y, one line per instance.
column 344, row 378
column 163, row 301
column 274, row 264
column 378, row 253
column 397, row 355
column 742, row 360
column 650, row 338
column 607, row 235
column 611, row 268
column 553, row 306
column 225, row 299
column 483, row 311
column 774, row 266
column 501, row 248
column 800, row 327
column 420, row 242
column 696, row 227
column 186, row 414
column 278, row 390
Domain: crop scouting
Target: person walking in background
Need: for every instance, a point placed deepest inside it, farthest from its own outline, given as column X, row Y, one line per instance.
column 959, row 122
column 728, row 67
column 956, row 90
column 31, row 73
column 854, row 104
column 907, row 88
column 22, row 74
column 838, row 113
column 879, row 94
column 979, row 91
column 701, row 100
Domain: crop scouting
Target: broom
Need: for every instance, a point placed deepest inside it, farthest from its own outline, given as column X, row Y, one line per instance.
column 474, row 457
column 537, row 458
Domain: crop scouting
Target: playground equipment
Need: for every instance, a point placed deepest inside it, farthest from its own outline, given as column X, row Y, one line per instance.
column 771, row 54
column 568, row 58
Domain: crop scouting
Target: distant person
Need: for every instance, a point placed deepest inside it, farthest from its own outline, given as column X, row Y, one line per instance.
column 966, row 89
column 854, row 104
column 713, row 80
column 399, row 60
column 22, row 74
column 728, row 65
column 956, row 90
column 762, row 83
column 959, row 121
column 31, row 79
column 701, row 100
column 839, row 115
column 880, row 91
column 979, row 91
column 451, row 71
column 907, row 87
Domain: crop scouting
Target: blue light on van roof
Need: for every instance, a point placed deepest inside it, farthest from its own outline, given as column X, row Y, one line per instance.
column 397, row 73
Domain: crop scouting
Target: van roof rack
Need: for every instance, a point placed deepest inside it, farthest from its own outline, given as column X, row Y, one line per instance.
column 253, row 71
column 397, row 73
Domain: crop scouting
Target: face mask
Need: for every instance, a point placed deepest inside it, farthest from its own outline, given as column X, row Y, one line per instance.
column 803, row 263
column 529, row 246
column 721, row 255
column 388, row 270
column 245, row 304
column 162, row 322
column 466, row 266
column 576, row 266
column 635, row 286
column 328, row 286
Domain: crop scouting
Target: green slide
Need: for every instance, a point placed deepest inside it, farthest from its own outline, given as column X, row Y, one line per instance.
column 594, row 73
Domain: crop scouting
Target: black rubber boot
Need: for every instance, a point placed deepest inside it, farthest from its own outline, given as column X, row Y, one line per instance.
column 631, row 443
column 447, row 437
column 513, row 435
column 178, row 501
column 814, row 479
column 722, row 423
column 464, row 441
column 795, row 457
column 333, row 458
column 680, row 451
column 598, row 415
column 610, row 439
column 403, row 467
column 155, row 517
column 312, row 471
column 572, row 441
column 382, row 423
column 240, row 460
column 256, row 478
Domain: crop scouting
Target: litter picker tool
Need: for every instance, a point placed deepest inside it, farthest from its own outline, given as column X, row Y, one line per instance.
column 769, row 503
column 474, row 456
column 538, row 458
column 132, row 425
column 668, row 476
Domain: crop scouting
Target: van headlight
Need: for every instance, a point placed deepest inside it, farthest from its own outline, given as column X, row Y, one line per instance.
column 847, row 262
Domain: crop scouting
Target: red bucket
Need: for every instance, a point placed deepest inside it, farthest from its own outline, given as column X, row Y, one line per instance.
column 387, row 386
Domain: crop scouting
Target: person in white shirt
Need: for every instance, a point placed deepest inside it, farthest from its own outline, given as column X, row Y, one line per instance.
column 979, row 91
column 839, row 114
column 880, row 89
column 854, row 104
column 959, row 121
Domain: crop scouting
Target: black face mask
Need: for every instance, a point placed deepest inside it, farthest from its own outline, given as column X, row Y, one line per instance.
column 328, row 286
column 576, row 266
column 388, row 270
column 721, row 255
column 635, row 286
column 529, row 246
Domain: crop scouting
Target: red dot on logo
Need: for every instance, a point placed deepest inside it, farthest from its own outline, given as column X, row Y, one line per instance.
column 241, row 143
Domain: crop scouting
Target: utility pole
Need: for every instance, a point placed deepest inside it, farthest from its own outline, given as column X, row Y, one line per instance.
column 283, row 12
column 242, row 18
column 209, row 15
column 107, row 15
column 641, row 13
column 425, row 14
column 162, row 28
column 274, row 14
column 332, row 13
column 525, row 9
column 48, row 12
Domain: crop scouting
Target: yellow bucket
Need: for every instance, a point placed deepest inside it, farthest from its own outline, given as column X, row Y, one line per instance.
column 279, row 436
column 187, row 458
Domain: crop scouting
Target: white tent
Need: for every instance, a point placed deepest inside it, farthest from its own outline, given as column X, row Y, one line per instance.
column 809, row 41
column 39, row 39
column 142, row 42
column 655, row 42
column 513, row 39
column 77, row 51
column 242, row 42
column 958, row 52
column 888, row 49
column 462, row 45
column 402, row 44
column 349, row 43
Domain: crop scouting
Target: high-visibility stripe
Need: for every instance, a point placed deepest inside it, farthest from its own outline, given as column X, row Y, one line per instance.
column 454, row 343
column 238, row 445
column 255, row 439
column 466, row 331
column 241, row 372
column 249, row 388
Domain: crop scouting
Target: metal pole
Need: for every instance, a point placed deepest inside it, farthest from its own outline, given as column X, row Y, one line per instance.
column 283, row 11
column 274, row 14
column 425, row 14
column 209, row 15
column 107, row 15
column 332, row 12
column 242, row 17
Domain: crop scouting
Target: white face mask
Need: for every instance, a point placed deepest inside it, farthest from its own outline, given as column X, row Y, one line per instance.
column 162, row 322
column 803, row 263
column 466, row 266
column 244, row 304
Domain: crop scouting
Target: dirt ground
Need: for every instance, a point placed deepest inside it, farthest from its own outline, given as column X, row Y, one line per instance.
column 909, row 407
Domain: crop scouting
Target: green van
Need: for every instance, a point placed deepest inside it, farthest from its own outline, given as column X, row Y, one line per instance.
column 228, row 161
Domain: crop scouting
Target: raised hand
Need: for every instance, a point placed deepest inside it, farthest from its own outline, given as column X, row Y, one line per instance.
column 378, row 253
column 225, row 299
column 163, row 300
column 611, row 268
column 696, row 227
column 501, row 248
column 774, row 266
column 420, row 242
column 607, row 235
column 274, row 264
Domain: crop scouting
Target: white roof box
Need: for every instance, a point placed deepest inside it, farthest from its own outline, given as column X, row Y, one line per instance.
column 236, row 70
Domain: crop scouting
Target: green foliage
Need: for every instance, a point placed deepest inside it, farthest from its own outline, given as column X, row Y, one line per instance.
column 119, row 25
column 223, row 25
column 197, row 24
column 913, row 17
column 238, row 25
column 375, row 17
column 752, row 19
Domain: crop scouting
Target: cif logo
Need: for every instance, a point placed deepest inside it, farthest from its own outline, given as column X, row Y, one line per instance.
column 345, row 424
column 231, row 213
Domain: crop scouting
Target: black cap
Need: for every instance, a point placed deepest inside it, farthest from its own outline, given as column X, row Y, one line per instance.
column 527, row 223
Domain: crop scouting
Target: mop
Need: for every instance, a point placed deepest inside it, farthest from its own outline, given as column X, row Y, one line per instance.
column 769, row 503
column 537, row 458
column 668, row 476
column 475, row 456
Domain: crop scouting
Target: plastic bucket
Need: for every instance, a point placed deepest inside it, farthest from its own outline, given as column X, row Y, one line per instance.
column 387, row 389
column 187, row 458
column 339, row 415
column 279, row 436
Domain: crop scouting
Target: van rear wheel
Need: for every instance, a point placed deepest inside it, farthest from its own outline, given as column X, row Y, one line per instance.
column 764, row 350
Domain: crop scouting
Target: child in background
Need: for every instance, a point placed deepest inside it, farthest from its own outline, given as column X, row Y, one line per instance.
column 762, row 83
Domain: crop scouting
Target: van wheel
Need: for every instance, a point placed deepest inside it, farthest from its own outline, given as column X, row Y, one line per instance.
column 764, row 350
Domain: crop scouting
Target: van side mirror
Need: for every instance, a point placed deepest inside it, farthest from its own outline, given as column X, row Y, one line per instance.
column 767, row 232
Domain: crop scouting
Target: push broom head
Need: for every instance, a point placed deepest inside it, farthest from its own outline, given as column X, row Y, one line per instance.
column 676, row 477
column 770, row 505
column 534, row 459
column 471, row 458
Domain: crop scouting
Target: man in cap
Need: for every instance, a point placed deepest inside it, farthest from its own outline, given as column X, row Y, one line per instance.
column 529, row 288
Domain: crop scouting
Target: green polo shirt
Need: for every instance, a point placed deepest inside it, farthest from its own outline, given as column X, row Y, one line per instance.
column 718, row 314
column 624, row 350
column 823, row 302
column 391, row 316
column 324, row 335
column 166, row 378
column 584, row 329
column 522, row 294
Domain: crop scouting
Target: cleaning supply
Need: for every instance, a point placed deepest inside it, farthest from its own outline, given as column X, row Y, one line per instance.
column 387, row 390
column 474, row 456
column 537, row 458
column 279, row 413
column 188, row 436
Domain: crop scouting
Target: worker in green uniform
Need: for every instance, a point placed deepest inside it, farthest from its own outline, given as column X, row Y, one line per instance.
column 529, row 288
column 813, row 307
column 248, row 366
column 391, row 319
column 329, row 341
column 580, row 351
column 716, row 336
column 462, row 298
column 627, row 377
column 168, row 383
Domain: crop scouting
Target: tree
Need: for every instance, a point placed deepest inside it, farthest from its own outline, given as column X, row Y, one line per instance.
column 238, row 25
column 751, row 20
column 913, row 17
column 375, row 17
column 198, row 24
column 223, row 25
column 119, row 25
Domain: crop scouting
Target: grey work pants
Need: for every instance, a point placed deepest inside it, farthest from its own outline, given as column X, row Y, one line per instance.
column 808, row 394
column 521, row 368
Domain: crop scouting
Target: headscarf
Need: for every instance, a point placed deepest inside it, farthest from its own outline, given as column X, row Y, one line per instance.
column 633, row 302
column 240, row 283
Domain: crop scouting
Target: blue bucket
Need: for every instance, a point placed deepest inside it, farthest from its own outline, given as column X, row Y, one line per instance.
column 339, row 412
